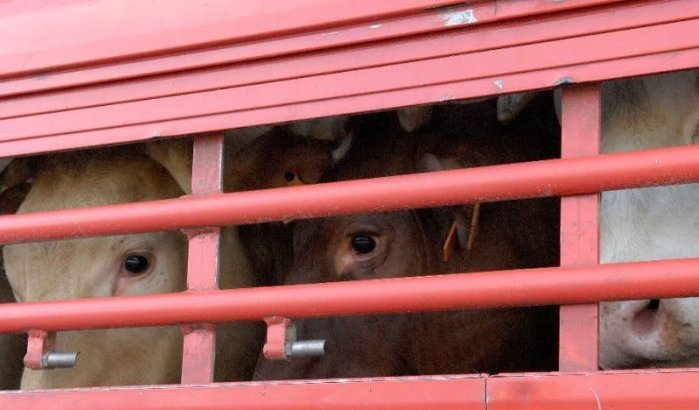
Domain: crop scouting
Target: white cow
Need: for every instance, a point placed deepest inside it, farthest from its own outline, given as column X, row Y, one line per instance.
column 649, row 223
column 121, row 265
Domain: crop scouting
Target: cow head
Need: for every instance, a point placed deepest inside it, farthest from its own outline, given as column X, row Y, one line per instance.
column 398, row 244
column 651, row 223
column 100, row 267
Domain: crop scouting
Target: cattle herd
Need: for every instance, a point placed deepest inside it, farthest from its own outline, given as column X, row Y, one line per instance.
column 637, row 224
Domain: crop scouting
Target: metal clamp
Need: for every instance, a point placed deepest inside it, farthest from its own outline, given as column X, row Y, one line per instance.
column 40, row 355
column 282, row 344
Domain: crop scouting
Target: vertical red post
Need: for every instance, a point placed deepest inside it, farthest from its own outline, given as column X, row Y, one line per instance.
column 202, row 267
column 579, row 227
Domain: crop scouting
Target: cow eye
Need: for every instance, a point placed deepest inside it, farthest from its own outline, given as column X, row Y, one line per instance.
column 136, row 264
column 363, row 244
column 289, row 176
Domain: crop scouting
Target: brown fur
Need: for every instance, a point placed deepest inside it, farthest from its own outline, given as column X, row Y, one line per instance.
column 512, row 235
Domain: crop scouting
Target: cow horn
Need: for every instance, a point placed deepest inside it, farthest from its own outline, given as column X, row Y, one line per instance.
column 342, row 150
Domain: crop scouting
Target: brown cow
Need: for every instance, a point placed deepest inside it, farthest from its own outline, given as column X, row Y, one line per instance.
column 384, row 245
column 277, row 159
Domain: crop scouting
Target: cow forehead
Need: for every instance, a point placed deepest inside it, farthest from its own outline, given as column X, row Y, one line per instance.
column 99, row 180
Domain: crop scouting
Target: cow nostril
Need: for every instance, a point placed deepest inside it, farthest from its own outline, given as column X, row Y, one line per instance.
column 647, row 318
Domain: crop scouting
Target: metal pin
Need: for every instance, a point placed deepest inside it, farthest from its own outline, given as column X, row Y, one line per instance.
column 305, row 348
column 56, row 360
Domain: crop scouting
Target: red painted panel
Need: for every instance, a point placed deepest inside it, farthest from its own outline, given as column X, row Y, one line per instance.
column 646, row 390
column 496, row 183
column 438, row 79
column 105, row 30
column 372, row 80
column 594, row 71
column 549, row 286
column 579, row 227
column 369, row 31
column 202, row 263
column 429, row 393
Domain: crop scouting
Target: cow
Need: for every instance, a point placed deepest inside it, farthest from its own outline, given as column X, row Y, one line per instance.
column 648, row 223
column 11, row 346
column 514, row 234
column 121, row 265
column 279, row 158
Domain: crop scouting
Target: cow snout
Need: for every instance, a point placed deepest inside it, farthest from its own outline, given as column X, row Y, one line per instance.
column 661, row 332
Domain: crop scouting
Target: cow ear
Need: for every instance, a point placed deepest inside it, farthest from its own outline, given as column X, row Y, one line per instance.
column 461, row 221
column 175, row 155
column 413, row 118
column 15, row 182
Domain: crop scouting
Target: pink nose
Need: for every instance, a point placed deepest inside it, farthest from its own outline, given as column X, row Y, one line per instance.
column 646, row 319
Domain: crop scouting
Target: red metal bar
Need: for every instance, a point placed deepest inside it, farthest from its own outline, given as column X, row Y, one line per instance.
column 558, row 177
column 646, row 390
column 444, row 393
column 435, row 20
column 549, row 286
column 202, row 264
column 643, row 390
column 579, row 227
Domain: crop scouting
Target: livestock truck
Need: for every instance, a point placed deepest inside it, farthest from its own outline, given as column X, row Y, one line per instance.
column 78, row 74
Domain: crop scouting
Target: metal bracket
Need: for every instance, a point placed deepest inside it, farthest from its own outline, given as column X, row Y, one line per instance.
column 40, row 355
column 282, row 344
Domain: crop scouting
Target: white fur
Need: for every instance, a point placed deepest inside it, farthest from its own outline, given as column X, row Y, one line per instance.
column 650, row 223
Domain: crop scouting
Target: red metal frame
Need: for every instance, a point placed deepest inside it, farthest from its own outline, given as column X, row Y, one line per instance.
column 580, row 135
column 369, row 75
column 202, row 264
column 191, row 73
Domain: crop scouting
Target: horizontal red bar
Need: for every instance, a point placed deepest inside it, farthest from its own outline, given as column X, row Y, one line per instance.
column 559, row 177
column 644, row 390
column 443, row 393
column 548, row 286
column 639, row 390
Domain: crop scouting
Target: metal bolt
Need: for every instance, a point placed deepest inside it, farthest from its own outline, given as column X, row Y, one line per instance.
column 305, row 348
column 54, row 360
